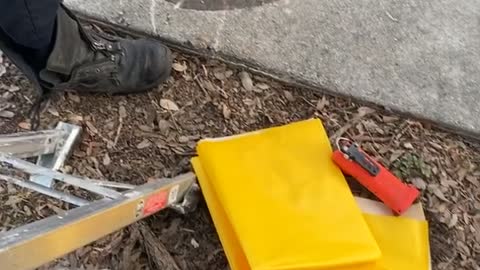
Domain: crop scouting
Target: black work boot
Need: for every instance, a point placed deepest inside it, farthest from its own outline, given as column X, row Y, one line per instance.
column 93, row 62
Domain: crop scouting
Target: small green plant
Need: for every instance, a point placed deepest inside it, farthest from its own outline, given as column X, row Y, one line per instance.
column 411, row 165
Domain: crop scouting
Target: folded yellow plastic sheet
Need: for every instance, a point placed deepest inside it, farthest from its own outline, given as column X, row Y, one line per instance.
column 403, row 240
column 279, row 202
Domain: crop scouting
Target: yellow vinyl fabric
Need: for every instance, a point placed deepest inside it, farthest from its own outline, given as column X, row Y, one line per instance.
column 403, row 241
column 279, row 202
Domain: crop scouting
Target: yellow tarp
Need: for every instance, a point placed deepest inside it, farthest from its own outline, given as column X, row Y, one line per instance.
column 279, row 202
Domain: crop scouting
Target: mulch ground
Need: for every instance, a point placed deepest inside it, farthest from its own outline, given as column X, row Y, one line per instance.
column 139, row 137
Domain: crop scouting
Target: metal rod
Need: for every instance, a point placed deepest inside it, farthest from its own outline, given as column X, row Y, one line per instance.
column 85, row 183
column 112, row 184
column 55, row 160
column 37, row 243
column 47, row 191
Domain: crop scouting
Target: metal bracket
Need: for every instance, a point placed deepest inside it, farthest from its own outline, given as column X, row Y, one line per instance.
column 55, row 160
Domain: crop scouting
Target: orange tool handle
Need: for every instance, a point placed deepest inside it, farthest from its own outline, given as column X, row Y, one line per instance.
column 388, row 188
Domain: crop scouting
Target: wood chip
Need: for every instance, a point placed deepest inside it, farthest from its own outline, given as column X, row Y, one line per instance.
column 246, row 80
column 408, row 145
column 53, row 111
column 75, row 118
column 289, row 96
column 262, row 86
column 25, row 125
column 7, row 114
column 321, row 103
column 163, row 125
column 91, row 127
column 168, row 105
column 220, row 75
column 226, row 111
column 122, row 112
column 436, row 190
column 364, row 111
column 144, row 144
column 183, row 139
column 74, row 97
column 228, row 73
column 145, row 128
column 453, row 221
column 106, row 160
column 419, row 183
column 194, row 243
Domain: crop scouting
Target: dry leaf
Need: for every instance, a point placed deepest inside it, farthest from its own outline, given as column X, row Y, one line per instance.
column 228, row 73
column 363, row 111
column 169, row 105
column 3, row 70
column 419, row 183
column 13, row 88
column 219, row 75
column 75, row 118
column 145, row 128
column 436, row 190
column 322, row 103
column 53, row 111
column 179, row 67
column 453, row 221
column 7, row 114
column 144, row 144
column 289, row 96
column 395, row 155
column 209, row 86
column 436, row 145
column 91, row 127
column 24, row 125
column 474, row 180
column 122, row 112
column 183, row 139
column 106, row 160
column 262, row 86
column 389, row 119
column 194, row 243
column 163, row 125
column 226, row 111
column 74, row 97
column 246, row 79
column 408, row 145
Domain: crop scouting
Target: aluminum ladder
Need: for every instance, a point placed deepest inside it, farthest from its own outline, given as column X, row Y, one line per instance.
column 119, row 204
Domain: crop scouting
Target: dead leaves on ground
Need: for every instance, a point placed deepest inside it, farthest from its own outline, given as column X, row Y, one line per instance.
column 142, row 137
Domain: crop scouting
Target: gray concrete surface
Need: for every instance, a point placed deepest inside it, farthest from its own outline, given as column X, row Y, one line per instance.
column 414, row 56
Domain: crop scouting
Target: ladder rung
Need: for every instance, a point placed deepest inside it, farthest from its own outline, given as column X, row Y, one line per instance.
column 30, row 144
column 44, row 190
column 95, row 186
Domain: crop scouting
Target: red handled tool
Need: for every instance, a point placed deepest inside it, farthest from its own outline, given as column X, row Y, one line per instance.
column 378, row 180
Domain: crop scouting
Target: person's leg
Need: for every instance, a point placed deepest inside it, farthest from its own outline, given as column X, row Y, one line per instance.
column 30, row 26
column 29, row 23
column 45, row 40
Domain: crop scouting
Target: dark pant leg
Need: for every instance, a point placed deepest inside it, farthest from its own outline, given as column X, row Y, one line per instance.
column 29, row 23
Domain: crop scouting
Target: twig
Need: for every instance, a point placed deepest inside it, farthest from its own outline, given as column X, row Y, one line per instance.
column 309, row 103
column 158, row 255
column 363, row 138
column 201, row 86
column 347, row 126
column 174, row 121
column 119, row 129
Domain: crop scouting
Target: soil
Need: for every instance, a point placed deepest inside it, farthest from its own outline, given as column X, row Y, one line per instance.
column 206, row 98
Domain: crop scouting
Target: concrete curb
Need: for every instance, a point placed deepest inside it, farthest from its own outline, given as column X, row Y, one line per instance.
column 413, row 57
